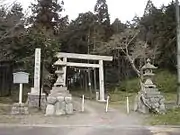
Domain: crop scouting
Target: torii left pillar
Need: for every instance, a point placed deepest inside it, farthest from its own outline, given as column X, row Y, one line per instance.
column 64, row 70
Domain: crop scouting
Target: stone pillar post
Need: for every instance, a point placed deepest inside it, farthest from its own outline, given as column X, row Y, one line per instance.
column 37, row 72
column 101, row 80
column 33, row 96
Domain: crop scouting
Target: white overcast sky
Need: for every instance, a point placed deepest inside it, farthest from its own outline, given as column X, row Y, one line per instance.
column 122, row 9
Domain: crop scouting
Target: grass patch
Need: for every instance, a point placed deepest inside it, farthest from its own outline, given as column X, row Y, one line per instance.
column 118, row 100
column 172, row 117
column 79, row 93
column 120, row 97
column 7, row 102
column 5, row 109
column 166, row 81
column 167, row 85
column 129, row 86
column 170, row 97
column 14, row 97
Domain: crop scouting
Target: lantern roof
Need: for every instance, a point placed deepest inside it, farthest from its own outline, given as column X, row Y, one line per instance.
column 148, row 65
column 59, row 62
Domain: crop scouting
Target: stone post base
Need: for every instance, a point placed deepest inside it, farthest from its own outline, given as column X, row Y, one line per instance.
column 19, row 109
column 33, row 100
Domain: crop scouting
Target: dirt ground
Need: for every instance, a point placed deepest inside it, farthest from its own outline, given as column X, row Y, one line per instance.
column 94, row 114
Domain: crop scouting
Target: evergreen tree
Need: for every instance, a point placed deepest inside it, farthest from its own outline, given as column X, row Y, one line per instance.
column 117, row 26
column 11, row 29
column 158, row 28
column 47, row 14
column 80, row 33
column 101, row 11
column 149, row 8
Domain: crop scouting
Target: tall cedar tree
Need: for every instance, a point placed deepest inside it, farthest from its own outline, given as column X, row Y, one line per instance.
column 101, row 11
column 11, row 29
column 47, row 24
column 47, row 14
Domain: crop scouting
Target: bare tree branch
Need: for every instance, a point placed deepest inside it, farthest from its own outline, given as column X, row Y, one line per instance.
column 127, row 43
column 135, row 35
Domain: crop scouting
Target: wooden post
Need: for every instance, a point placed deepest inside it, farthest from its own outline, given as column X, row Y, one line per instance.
column 82, row 103
column 107, row 103
column 101, row 80
column 127, row 107
column 20, row 93
column 97, row 96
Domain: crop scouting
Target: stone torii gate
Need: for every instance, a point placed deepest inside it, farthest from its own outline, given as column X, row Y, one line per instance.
column 65, row 56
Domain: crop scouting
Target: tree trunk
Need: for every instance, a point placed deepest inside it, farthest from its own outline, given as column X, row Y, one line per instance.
column 119, row 66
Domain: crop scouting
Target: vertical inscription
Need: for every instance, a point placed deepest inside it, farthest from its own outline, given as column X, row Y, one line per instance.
column 37, row 69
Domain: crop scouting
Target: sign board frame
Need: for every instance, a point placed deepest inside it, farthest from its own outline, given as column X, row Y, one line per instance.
column 20, row 78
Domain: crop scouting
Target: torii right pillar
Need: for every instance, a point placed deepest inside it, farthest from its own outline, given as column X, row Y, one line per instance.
column 101, row 81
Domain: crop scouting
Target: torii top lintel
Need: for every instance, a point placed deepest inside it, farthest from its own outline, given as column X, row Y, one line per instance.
column 83, row 56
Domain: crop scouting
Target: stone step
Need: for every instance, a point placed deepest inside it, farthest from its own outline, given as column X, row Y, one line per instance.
column 149, row 92
column 59, row 88
column 60, row 91
column 60, row 94
column 154, row 96
column 153, row 93
column 151, row 89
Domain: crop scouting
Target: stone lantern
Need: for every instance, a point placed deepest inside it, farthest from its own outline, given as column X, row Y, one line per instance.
column 59, row 101
column 60, row 73
column 148, row 74
column 149, row 98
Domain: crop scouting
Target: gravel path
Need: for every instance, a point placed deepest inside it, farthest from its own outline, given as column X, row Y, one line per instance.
column 94, row 121
column 94, row 115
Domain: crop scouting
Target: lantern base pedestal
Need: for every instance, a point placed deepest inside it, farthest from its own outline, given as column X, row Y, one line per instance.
column 59, row 102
